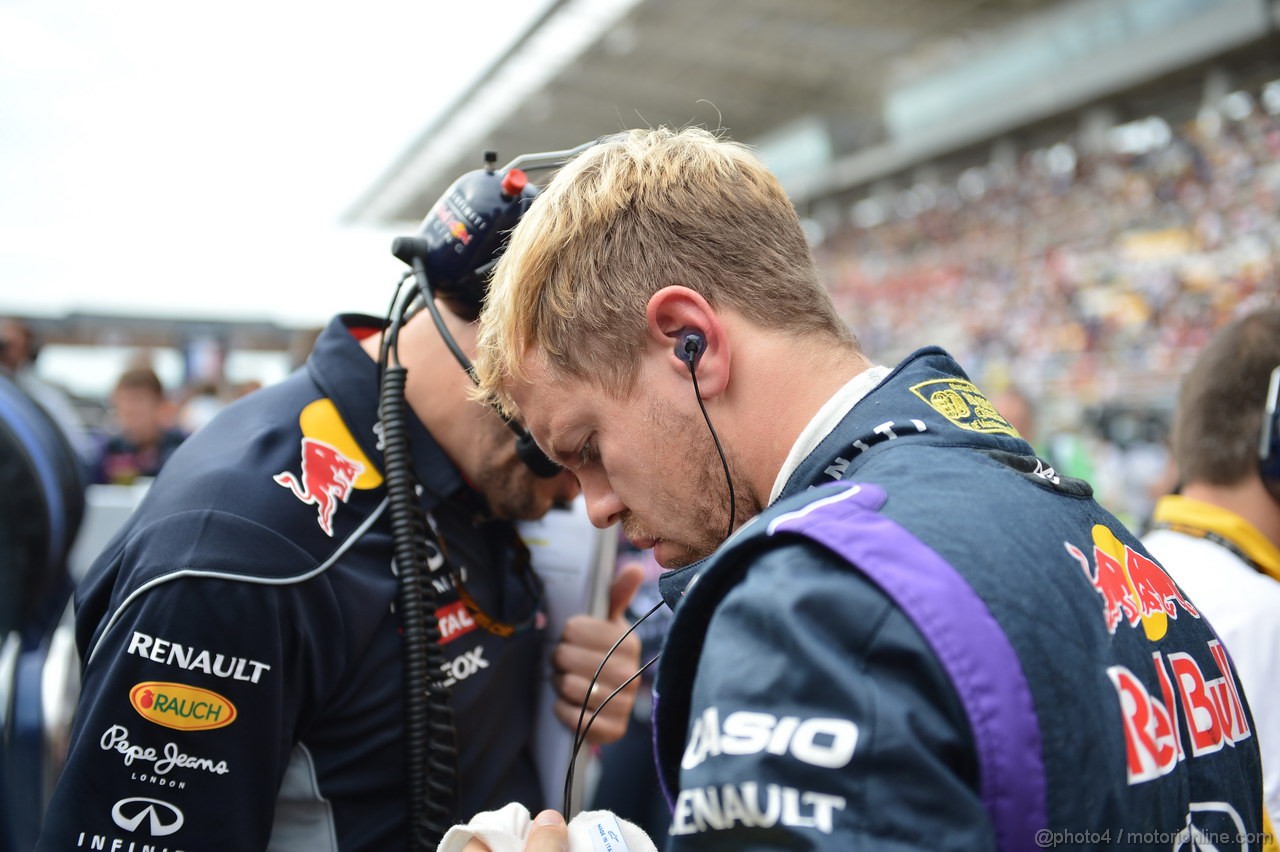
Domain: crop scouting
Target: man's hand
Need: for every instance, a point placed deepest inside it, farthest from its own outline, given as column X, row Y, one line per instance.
column 583, row 646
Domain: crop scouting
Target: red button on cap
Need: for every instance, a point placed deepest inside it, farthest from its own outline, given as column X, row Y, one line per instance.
column 514, row 182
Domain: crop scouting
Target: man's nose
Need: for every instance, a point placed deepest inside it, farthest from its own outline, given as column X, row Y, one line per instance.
column 604, row 507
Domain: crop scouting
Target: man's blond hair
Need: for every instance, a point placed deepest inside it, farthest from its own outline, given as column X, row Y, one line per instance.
column 637, row 212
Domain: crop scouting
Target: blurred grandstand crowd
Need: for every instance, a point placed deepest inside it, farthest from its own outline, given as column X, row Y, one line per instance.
column 1086, row 275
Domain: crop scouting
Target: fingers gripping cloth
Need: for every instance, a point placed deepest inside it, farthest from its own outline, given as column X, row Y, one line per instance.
column 505, row 830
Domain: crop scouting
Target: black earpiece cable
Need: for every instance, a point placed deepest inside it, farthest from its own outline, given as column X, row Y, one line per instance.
column 733, row 503
column 420, row 271
column 391, row 310
column 580, row 734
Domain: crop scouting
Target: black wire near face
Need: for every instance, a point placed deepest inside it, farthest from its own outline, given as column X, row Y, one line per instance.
column 391, row 312
column 430, row 750
column 733, row 503
column 580, row 734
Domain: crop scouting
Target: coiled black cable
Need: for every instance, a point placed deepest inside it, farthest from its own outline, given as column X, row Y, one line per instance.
column 430, row 747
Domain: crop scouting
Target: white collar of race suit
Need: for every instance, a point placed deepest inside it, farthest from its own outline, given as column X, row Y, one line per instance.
column 827, row 418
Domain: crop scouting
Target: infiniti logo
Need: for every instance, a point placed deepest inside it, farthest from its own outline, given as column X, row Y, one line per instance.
column 164, row 817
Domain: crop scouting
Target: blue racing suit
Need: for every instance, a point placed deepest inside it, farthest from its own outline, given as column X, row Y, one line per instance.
column 242, row 670
column 932, row 640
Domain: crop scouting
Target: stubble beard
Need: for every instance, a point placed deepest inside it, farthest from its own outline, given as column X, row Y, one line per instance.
column 708, row 516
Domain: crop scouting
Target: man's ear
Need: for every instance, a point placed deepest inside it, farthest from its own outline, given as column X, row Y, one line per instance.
column 684, row 326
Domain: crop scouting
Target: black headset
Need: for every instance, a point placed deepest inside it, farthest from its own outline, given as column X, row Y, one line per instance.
column 454, row 253
column 452, row 257
column 1269, row 439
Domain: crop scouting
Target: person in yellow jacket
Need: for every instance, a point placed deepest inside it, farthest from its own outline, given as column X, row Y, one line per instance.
column 1219, row 536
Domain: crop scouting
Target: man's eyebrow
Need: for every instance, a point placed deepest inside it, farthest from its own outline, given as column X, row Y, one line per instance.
column 553, row 447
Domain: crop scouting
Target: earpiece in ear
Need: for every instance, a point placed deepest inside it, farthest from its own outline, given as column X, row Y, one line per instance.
column 690, row 345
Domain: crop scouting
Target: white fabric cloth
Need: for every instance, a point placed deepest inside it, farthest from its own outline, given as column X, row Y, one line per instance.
column 1243, row 606
column 506, row 829
column 827, row 418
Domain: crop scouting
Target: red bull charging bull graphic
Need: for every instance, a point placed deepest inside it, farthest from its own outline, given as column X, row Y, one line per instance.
column 1133, row 587
column 327, row 478
column 332, row 463
column 1189, row 698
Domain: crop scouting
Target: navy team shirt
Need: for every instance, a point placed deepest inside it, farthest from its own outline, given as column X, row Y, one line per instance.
column 242, row 671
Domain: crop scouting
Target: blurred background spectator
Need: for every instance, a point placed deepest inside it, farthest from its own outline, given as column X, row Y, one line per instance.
column 144, row 433
column 202, row 403
column 1219, row 536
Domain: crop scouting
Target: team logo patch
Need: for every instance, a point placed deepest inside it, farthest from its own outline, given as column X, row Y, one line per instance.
column 195, row 659
column 151, row 816
column 455, row 620
column 964, row 405
column 1133, row 587
column 327, row 479
column 332, row 463
column 1189, row 698
column 181, row 707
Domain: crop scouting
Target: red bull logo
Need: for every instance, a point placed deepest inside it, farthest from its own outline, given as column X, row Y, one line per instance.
column 327, row 479
column 1209, row 709
column 456, row 228
column 1132, row 586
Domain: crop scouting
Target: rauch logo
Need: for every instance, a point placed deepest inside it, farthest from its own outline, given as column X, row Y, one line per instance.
column 184, row 708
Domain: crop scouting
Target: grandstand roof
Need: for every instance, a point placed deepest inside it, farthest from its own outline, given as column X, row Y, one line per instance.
column 753, row 67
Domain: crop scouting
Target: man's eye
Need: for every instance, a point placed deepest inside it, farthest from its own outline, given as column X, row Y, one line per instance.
column 587, row 453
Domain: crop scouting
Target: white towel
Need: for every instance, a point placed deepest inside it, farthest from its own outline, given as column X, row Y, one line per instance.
column 505, row 830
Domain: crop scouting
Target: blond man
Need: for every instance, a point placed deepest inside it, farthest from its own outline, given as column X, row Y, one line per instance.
column 918, row 636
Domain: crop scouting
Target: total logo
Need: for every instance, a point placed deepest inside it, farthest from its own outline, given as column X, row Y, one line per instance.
column 1211, row 712
column 160, row 818
column 181, row 707
column 1133, row 587
column 455, row 620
